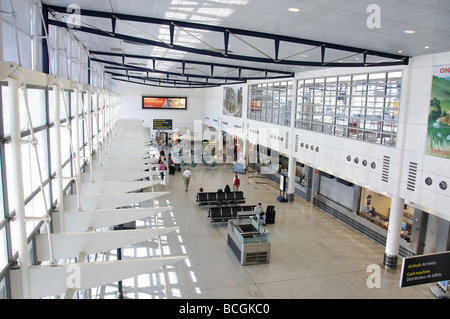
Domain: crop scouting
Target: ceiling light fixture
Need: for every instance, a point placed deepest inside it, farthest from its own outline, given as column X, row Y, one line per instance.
column 427, row 47
column 409, row 31
column 294, row 9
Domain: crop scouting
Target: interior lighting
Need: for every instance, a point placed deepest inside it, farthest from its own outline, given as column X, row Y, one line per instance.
column 409, row 31
column 294, row 9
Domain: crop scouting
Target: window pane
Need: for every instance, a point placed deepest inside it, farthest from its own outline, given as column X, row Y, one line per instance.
column 3, row 293
column 2, row 206
column 6, row 110
column 3, row 249
column 359, row 106
column 36, row 103
column 340, row 131
column 9, row 178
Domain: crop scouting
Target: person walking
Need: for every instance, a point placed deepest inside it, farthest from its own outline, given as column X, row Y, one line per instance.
column 186, row 177
column 236, row 183
column 162, row 168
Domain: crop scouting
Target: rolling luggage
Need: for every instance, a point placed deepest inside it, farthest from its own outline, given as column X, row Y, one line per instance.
column 171, row 170
column 270, row 214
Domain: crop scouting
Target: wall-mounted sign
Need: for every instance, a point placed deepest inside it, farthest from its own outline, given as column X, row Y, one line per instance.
column 438, row 135
column 282, row 183
column 162, row 124
column 164, row 103
column 424, row 269
column 232, row 100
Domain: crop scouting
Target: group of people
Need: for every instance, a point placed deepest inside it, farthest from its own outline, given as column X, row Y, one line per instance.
column 227, row 189
column 186, row 177
column 162, row 163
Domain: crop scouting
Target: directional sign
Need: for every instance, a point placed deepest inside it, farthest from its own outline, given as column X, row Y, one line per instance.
column 162, row 124
column 423, row 269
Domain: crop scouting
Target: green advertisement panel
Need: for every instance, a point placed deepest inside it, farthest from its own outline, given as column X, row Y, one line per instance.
column 438, row 136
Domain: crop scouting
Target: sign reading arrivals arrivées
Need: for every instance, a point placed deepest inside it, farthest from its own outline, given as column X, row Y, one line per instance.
column 425, row 269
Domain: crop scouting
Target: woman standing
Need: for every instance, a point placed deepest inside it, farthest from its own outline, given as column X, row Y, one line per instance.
column 236, row 183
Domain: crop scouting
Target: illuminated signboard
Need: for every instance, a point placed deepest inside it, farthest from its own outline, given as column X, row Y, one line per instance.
column 164, row 103
column 162, row 124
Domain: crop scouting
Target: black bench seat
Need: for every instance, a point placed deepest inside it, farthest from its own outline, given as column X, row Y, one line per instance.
column 220, row 198
column 225, row 213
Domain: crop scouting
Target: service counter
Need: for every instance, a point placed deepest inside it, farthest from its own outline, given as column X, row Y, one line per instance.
column 249, row 241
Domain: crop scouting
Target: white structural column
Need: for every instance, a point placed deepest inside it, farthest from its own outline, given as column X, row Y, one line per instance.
column 16, row 157
column 57, row 145
column 393, row 235
column 397, row 203
column 291, row 179
column 76, row 132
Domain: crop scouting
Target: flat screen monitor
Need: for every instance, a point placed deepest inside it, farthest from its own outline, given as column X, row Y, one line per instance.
column 164, row 103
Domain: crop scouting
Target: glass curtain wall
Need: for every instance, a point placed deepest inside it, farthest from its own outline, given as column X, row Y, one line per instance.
column 270, row 102
column 21, row 40
column 40, row 103
column 363, row 107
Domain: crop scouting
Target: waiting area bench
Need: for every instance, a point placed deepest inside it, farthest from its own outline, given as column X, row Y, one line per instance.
column 220, row 198
column 225, row 213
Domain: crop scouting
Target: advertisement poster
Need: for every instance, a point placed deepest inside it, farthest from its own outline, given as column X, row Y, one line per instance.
column 438, row 137
column 232, row 101
column 149, row 102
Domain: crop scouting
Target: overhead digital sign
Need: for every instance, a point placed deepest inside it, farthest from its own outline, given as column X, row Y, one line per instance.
column 164, row 103
column 159, row 124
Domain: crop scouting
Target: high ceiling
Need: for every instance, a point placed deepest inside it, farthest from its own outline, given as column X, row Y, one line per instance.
column 213, row 42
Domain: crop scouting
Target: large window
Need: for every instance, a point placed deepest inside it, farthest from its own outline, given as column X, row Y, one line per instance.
column 39, row 101
column 363, row 107
column 270, row 102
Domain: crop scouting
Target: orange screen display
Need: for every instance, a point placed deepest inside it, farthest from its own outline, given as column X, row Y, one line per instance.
column 163, row 102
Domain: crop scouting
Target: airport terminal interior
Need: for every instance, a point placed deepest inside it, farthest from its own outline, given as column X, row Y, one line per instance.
column 224, row 149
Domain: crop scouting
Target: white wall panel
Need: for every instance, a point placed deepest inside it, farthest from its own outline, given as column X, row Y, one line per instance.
column 415, row 141
column 429, row 197
column 417, row 111
column 132, row 105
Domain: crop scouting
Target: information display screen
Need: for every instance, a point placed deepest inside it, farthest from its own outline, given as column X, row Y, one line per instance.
column 162, row 124
column 161, row 103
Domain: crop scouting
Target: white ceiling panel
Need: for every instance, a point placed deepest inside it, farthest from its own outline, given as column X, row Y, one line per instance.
column 342, row 22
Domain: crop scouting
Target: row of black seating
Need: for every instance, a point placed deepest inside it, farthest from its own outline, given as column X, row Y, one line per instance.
column 220, row 198
column 224, row 213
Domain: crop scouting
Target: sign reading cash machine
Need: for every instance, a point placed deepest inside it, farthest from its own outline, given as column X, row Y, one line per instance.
column 425, row 269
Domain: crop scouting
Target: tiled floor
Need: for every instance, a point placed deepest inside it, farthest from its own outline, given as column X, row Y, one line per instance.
column 312, row 254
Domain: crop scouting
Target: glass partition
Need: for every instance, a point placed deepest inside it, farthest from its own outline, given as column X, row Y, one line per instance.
column 363, row 107
column 270, row 102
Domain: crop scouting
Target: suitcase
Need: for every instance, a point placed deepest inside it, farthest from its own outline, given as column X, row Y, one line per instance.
column 270, row 214
column 171, row 170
